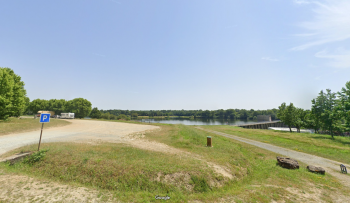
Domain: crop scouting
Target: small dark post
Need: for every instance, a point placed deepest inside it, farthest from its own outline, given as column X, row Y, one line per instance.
column 209, row 141
column 40, row 136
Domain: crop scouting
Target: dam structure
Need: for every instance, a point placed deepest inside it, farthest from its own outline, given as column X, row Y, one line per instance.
column 264, row 125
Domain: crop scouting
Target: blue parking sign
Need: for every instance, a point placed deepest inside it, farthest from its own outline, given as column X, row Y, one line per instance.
column 45, row 118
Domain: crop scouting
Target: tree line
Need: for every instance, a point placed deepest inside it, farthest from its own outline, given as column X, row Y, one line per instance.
column 95, row 113
column 330, row 113
column 242, row 114
column 79, row 106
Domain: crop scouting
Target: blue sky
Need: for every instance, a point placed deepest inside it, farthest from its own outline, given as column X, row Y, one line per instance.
column 163, row 54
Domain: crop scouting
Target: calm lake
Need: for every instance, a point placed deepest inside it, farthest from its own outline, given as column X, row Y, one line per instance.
column 197, row 121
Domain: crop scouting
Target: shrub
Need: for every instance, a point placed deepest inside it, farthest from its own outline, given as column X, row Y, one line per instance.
column 35, row 157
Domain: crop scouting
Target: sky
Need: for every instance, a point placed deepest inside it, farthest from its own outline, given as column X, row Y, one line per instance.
column 178, row 54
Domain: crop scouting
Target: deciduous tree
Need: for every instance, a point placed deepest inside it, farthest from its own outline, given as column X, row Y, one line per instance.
column 39, row 105
column 57, row 105
column 312, row 122
column 344, row 104
column 95, row 113
column 287, row 114
column 324, row 109
column 80, row 106
column 12, row 94
column 299, row 121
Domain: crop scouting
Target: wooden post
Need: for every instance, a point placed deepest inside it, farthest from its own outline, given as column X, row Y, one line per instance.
column 209, row 141
column 41, row 133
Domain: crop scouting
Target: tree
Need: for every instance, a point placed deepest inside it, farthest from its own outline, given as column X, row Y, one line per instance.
column 243, row 114
column 324, row 107
column 206, row 114
column 112, row 117
column 38, row 105
column 134, row 115
column 316, row 111
column 287, row 114
column 95, row 113
column 230, row 114
column 12, row 94
column 27, row 103
column 80, row 106
column 251, row 114
column 344, row 104
column 221, row 113
column 106, row 115
column 57, row 105
column 123, row 117
column 311, row 121
column 299, row 121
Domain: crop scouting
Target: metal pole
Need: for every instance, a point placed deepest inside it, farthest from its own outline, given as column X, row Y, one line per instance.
column 40, row 136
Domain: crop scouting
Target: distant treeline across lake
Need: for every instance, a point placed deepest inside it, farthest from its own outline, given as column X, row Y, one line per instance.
column 232, row 114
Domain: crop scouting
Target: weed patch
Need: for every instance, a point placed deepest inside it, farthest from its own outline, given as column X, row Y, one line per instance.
column 35, row 157
column 200, row 184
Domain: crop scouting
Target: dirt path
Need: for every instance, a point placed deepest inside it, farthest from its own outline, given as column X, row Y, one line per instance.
column 78, row 130
column 331, row 167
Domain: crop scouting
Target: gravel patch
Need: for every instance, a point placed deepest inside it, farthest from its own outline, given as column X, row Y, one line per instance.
column 78, row 130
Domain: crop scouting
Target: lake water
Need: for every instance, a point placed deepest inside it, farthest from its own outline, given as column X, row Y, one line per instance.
column 198, row 121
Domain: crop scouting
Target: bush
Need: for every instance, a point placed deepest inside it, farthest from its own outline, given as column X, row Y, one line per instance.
column 35, row 157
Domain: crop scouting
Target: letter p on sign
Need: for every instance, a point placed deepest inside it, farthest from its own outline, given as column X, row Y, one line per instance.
column 45, row 118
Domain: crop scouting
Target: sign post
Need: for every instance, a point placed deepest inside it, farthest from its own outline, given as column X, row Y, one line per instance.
column 44, row 118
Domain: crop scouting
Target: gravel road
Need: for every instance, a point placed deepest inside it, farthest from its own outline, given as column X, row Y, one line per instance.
column 331, row 167
column 78, row 130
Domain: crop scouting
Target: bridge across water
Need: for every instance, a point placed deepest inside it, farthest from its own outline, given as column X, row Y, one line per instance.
column 264, row 125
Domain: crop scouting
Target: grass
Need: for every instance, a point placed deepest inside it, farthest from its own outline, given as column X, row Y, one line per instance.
column 321, row 145
column 15, row 125
column 128, row 171
column 132, row 174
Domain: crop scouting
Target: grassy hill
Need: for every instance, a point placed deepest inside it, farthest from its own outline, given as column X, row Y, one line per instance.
column 135, row 174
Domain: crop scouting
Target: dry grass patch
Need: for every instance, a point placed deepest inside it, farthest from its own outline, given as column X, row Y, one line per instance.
column 126, row 171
